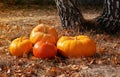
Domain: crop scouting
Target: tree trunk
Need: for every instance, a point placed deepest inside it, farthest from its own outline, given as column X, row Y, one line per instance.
column 110, row 18
column 69, row 13
column 71, row 17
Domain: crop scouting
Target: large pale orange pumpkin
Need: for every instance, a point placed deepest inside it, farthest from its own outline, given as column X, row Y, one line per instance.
column 76, row 46
column 19, row 46
column 44, row 32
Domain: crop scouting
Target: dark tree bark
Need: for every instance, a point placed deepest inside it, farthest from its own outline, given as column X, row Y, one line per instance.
column 69, row 13
column 71, row 17
column 110, row 18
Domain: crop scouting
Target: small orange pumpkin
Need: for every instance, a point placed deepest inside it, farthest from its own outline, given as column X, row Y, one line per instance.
column 19, row 46
column 76, row 46
column 44, row 50
column 44, row 32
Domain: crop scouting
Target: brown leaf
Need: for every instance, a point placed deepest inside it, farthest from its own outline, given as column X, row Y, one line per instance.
column 53, row 69
column 84, row 67
column 101, row 50
column 33, row 58
column 92, row 61
column 75, row 67
column 4, row 75
column 115, row 60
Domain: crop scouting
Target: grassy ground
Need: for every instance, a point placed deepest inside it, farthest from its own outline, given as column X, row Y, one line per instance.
column 19, row 21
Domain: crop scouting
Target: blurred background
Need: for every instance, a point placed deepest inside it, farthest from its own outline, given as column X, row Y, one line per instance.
column 49, row 2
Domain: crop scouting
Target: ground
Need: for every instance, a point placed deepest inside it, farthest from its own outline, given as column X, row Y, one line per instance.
column 19, row 21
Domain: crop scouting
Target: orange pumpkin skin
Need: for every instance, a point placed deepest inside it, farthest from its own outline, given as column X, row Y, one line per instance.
column 44, row 32
column 19, row 46
column 76, row 46
column 44, row 50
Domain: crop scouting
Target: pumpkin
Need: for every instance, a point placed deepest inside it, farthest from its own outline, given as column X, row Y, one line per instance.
column 44, row 50
column 19, row 46
column 76, row 46
column 44, row 32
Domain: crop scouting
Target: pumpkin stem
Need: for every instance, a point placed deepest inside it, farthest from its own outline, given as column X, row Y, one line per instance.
column 75, row 38
column 21, row 39
column 45, row 30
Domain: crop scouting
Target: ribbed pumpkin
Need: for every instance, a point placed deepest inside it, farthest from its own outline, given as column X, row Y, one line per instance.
column 19, row 46
column 44, row 32
column 76, row 46
column 44, row 49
